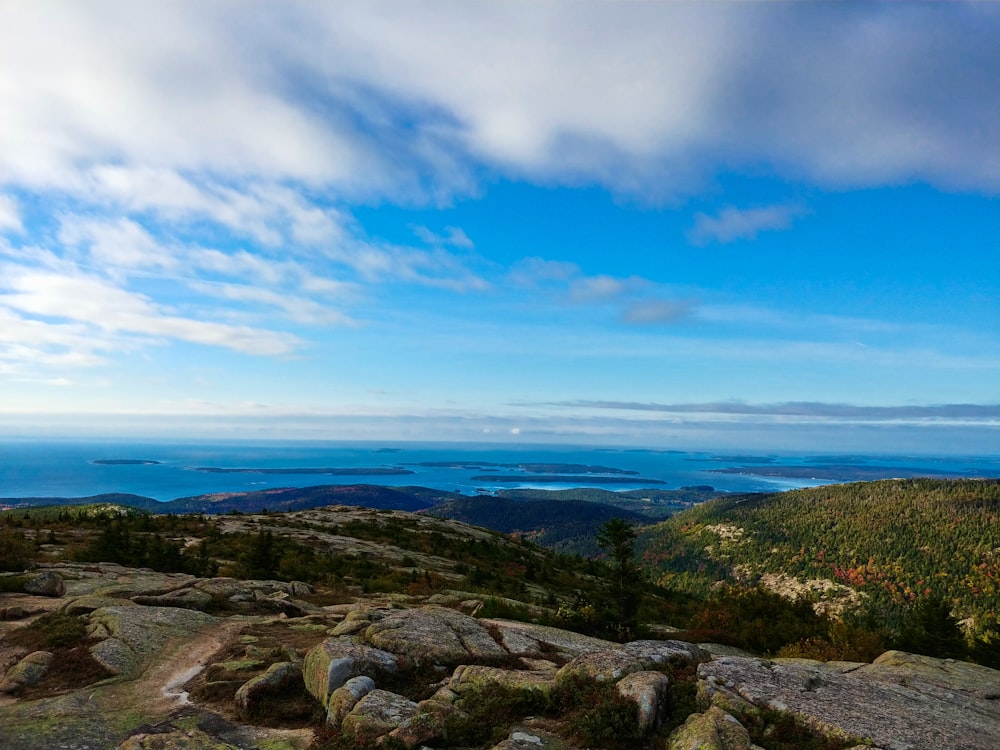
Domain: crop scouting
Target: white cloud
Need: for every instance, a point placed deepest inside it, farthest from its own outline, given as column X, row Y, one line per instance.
column 401, row 99
column 111, row 310
column 118, row 244
column 452, row 236
column 741, row 224
column 10, row 215
column 300, row 309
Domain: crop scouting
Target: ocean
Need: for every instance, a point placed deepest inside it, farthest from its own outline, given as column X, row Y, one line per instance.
column 166, row 471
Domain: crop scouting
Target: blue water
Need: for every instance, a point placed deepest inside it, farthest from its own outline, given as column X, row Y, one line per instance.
column 34, row 468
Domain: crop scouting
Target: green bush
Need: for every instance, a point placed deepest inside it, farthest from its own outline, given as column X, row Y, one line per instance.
column 15, row 550
column 12, row 584
column 54, row 630
column 594, row 713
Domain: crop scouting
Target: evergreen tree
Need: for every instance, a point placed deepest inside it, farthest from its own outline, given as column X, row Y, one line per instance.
column 617, row 538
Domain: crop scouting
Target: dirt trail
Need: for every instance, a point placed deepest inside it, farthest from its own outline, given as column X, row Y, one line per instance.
column 160, row 686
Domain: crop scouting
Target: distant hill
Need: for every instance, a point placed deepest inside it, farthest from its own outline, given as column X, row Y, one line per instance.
column 564, row 525
column 114, row 498
column 896, row 541
column 301, row 498
column 652, row 504
column 281, row 499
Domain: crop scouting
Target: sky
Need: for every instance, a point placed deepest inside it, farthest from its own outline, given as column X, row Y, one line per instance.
column 661, row 224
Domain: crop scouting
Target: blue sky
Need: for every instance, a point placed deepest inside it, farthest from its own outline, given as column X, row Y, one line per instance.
column 678, row 225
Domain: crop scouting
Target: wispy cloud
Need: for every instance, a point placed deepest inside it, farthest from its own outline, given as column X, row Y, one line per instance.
column 451, row 237
column 107, row 308
column 531, row 272
column 733, row 224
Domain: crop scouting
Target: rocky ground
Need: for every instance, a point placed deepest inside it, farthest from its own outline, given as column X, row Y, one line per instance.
column 174, row 661
column 105, row 656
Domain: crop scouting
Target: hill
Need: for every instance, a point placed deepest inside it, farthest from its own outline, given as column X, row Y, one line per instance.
column 896, row 542
column 278, row 499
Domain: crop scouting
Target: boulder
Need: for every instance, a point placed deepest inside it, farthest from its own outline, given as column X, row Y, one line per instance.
column 903, row 703
column 712, row 730
column 84, row 605
column 530, row 738
column 187, row 598
column 275, row 680
column 354, row 622
column 27, row 672
column 470, row 677
column 432, row 634
column 46, row 583
column 649, row 692
column 346, row 697
column 638, row 656
column 531, row 640
column 18, row 612
column 334, row 661
column 178, row 739
column 115, row 656
column 377, row 714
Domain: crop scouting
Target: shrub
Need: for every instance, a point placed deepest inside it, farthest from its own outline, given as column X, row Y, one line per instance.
column 50, row 631
column 15, row 550
column 488, row 713
column 594, row 713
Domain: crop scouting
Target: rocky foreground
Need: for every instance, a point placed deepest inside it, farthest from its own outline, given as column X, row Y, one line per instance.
column 174, row 661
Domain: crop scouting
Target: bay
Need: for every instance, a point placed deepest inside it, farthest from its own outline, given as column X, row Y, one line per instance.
column 169, row 470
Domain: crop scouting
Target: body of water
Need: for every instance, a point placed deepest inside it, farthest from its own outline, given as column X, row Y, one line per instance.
column 35, row 468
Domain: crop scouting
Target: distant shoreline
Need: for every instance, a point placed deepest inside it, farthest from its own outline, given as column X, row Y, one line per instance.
column 839, row 472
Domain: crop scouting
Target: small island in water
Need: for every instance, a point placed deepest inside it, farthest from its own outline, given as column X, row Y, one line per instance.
column 125, row 462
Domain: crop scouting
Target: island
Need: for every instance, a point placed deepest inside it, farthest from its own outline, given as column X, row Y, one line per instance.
column 125, row 462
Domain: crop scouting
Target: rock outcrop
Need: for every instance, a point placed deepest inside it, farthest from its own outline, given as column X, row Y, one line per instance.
column 901, row 701
column 431, row 634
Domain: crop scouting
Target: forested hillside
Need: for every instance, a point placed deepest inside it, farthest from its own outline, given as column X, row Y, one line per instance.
column 568, row 526
column 897, row 541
